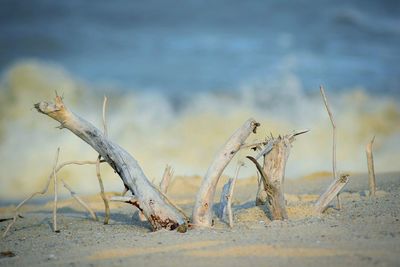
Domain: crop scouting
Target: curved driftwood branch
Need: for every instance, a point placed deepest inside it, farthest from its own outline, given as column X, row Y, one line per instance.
column 155, row 206
column 202, row 215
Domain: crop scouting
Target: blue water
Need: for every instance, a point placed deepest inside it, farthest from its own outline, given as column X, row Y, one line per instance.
column 186, row 46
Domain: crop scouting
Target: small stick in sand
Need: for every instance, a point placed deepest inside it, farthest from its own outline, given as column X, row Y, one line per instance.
column 55, row 193
column 166, row 179
column 339, row 204
column 225, row 209
column 333, row 190
column 79, row 200
column 45, row 189
column 102, row 194
column 371, row 169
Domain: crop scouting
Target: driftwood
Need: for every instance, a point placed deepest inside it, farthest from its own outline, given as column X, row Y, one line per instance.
column 371, row 169
column 159, row 211
column 79, row 200
column 225, row 206
column 334, row 172
column 166, row 179
column 202, row 215
column 272, row 173
column 46, row 188
column 102, row 193
column 333, row 190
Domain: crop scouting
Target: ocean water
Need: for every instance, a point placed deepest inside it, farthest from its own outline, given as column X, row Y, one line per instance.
column 181, row 76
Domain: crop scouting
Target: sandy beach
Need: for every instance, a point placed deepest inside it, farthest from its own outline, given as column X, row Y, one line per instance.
column 365, row 233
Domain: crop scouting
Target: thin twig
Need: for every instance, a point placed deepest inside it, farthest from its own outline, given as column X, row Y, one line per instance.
column 230, row 194
column 79, row 200
column 371, row 168
column 46, row 188
column 55, row 193
column 339, row 204
column 166, row 179
column 104, row 116
column 102, row 194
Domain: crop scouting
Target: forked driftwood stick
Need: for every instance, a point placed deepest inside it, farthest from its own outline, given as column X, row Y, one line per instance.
column 98, row 175
column 274, row 204
column 79, row 200
column 202, row 211
column 328, row 109
column 159, row 211
column 271, row 185
column 371, row 168
column 46, row 188
column 55, row 193
column 334, row 188
column 225, row 208
column 166, row 179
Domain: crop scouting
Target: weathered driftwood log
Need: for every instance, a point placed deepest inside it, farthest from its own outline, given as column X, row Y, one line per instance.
column 271, row 187
column 225, row 206
column 155, row 206
column 333, row 190
column 202, row 215
column 371, row 169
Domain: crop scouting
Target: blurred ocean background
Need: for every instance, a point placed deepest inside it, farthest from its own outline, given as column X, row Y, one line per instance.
column 181, row 76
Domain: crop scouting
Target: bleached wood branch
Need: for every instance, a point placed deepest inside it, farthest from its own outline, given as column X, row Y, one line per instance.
column 155, row 206
column 334, row 188
column 371, row 168
column 202, row 215
column 328, row 109
column 225, row 208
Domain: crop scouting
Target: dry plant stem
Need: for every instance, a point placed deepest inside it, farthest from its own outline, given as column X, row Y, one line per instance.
column 155, row 206
column 334, row 188
column 79, row 200
column 55, row 192
column 202, row 211
column 44, row 191
column 166, row 179
column 371, row 169
column 339, row 204
column 102, row 194
column 226, row 197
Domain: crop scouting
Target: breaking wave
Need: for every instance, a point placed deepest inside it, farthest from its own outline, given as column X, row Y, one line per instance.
column 183, row 130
